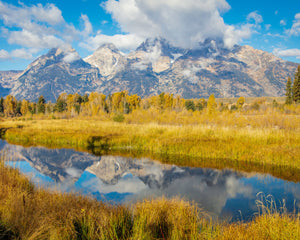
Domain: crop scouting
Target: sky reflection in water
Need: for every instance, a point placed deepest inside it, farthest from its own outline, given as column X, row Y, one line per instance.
column 225, row 194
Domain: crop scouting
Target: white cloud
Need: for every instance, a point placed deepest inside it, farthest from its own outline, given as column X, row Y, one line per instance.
column 4, row 55
column 295, row 30
column 30, row 18
column 30, row 39
column 88, row 29
column 21, row 53
column 17, row 53
column 268, row 26
column 35, row 25
column 150, row 57
column 295, row 52
column 38, row 27
column 71, row 57
column 282, row 22
column 235, row 35
column 256, row 17
column 183, row 23
column 50, row 14
column 125, row 42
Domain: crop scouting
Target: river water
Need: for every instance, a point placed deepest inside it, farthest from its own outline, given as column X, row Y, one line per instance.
column 225, row 194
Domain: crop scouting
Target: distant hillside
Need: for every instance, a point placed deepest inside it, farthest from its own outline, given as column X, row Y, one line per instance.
column 155, row 67
column 7, row 81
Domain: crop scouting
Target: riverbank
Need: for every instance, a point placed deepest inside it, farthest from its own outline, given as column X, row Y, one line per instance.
column 27, row 212
column 264, row 149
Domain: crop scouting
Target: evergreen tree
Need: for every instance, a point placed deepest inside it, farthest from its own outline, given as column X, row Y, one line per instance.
column 60, row 105
column 288, row 93
column 296, row 86
column 1, row 105
column 41, row 104
column 199, row 106
column 18, row 108
column 190, row 105
column 85, row 98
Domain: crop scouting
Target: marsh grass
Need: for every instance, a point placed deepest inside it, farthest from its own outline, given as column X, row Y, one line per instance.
column 271, row 222
column 271, row 149
column 27, row 212
column 30, row 213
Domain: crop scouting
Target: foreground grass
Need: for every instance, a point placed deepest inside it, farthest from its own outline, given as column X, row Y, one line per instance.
column 30, row 213
column 265, row 149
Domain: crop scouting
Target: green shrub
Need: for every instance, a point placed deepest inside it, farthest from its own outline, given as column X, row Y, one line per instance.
column 119, row 117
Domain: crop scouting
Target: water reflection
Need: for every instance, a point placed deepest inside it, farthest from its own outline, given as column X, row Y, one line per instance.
column 224, row 194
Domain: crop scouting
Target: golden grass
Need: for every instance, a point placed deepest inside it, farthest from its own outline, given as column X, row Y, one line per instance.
column 264, row 147
column 269, row 226
column 30, row 213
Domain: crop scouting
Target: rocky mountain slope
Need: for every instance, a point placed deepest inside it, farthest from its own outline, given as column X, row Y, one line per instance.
column 155, row 67
column 7, row 81
column 54, row 73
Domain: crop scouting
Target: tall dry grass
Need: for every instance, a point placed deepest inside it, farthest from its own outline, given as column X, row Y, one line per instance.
column 27, row 212
column 30, row 213
column 275, row 150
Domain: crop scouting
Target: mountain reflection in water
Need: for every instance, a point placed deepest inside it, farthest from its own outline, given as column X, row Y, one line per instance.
column 225, row 194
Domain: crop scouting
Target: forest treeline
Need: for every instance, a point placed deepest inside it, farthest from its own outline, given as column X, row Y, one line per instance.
column 121, row 103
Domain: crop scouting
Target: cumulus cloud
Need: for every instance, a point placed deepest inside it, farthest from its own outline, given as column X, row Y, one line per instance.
column 150, row 57
column 295, row 30
column 38, row 27
column 88, row 29
column 71, row 57
column 282, row 22
column 124, row 42
column 268, row 26
column 26, row 16
column 21, row 53
column 254, row 16
column 183, row 23
column 31, row 39
column 35, row 25
column 50, row 14
column 295, row 52
column 4, row 55
column 234, row 35
column 17, row 53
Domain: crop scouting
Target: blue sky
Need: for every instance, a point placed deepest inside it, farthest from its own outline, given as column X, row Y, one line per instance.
column 30, row 28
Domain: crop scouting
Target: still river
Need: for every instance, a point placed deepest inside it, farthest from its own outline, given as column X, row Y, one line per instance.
column 225, row 194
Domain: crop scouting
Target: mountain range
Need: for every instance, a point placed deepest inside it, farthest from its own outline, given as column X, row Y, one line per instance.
column 154, row 67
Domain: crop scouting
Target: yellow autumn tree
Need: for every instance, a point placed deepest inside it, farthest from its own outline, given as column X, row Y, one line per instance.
column 96, row 103
column 240, row 102
column 24, row 107
column 118, row 102
column 168, row 101
column 178, row 103
column 133, row 101
column 211, row 104
column 10, row 104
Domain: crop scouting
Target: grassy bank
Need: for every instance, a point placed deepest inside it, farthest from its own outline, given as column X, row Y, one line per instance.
column 264, row 149
column 30, row 213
